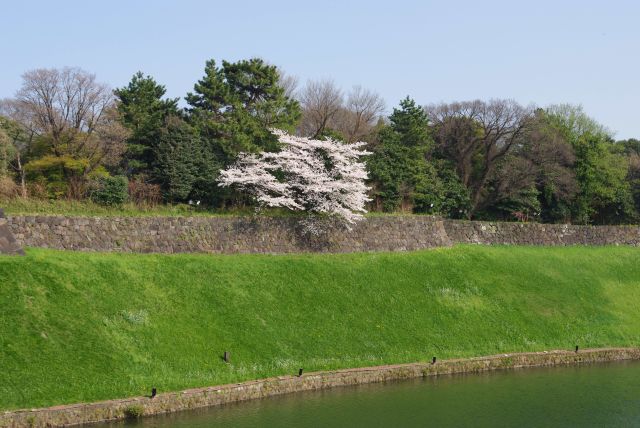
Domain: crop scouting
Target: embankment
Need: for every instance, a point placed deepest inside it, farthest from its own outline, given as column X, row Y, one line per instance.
column 81, row 327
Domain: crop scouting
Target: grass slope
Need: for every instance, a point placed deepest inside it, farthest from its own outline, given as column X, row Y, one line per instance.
column 79, row 327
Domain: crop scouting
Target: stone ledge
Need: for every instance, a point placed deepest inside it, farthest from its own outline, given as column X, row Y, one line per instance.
column 77, row 414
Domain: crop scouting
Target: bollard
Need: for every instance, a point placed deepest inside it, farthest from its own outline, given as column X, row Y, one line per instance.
column 433, row 361
column 226, row 357
column 576, row 348
column 300, row 373
column 154, row 392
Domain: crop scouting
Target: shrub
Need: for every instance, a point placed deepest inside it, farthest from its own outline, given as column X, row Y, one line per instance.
column 8, row 188
column 110, row 190
column 37, row 190
column 143, row 193
column 56, row 172
column 134, row 411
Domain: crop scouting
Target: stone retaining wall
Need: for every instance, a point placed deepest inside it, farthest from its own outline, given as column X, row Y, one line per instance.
column 495, row 233
column 224, row 234
column 285, row 235
column 8, row 243
column 203, row 397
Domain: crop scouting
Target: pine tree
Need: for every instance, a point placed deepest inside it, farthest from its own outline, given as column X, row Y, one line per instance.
column 403, row 176
column 234, row 107
column 176, row 166
column 144, row 112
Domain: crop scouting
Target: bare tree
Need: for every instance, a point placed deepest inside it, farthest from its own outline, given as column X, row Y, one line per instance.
column 321, row 100
column 22, row 139
column 288, row 82
column 107, row 143
column 477, row 135
column 324, row 108
column 543, row 160
column 553, row 158
column 71, row 109
column 361, row 112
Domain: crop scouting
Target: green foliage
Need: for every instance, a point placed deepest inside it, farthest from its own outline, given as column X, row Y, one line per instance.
column 331, row 133
column 553, row 156
column 575, row 122
column 57, row 166
column 560, row 166
column 632, row 152
column 110, row 190
column 178, row 156
column 232, row 108
column 402, row 174
column 453, row 197
column 394, row 171
column 631, row 146
column 134, row 411
column 56, row 172
column 398, row 169
column 601, row 169
column 523, row 204
column 411, row 126
column 130, row 322
column 7, row 153
column 143, row 111
column 605, row 194
column 235, row 105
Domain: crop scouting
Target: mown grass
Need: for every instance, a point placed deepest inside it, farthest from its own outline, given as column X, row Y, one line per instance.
column 78, row 327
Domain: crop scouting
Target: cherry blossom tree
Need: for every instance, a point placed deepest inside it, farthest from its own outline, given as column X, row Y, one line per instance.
column 321, row 177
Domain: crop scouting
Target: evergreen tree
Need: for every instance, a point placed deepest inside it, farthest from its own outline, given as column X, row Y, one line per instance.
column 234, row 107
column 402, row 174
column 177, row 164
column 144, row 112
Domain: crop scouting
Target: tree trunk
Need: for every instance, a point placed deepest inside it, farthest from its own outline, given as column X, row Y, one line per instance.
column 21, row 172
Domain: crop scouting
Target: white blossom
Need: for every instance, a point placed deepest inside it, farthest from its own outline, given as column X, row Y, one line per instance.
column 316, row 176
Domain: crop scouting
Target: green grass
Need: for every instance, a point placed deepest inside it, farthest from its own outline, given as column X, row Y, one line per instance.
column 20, row 206
column 80, row 327
column 86, row 208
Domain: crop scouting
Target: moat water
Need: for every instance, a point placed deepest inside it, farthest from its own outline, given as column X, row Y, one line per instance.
column 578, row 396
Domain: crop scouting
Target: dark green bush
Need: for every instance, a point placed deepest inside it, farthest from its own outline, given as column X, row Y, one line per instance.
column 110, row 190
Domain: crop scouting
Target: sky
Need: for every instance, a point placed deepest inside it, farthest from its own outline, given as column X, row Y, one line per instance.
column 536, row 52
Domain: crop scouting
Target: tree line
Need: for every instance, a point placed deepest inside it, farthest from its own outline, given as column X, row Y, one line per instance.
column 66, row 135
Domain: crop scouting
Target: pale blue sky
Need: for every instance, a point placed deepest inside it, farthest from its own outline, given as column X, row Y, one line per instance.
column 584, row 52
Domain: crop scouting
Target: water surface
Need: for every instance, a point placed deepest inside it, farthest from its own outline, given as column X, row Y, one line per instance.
column 587, row 396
